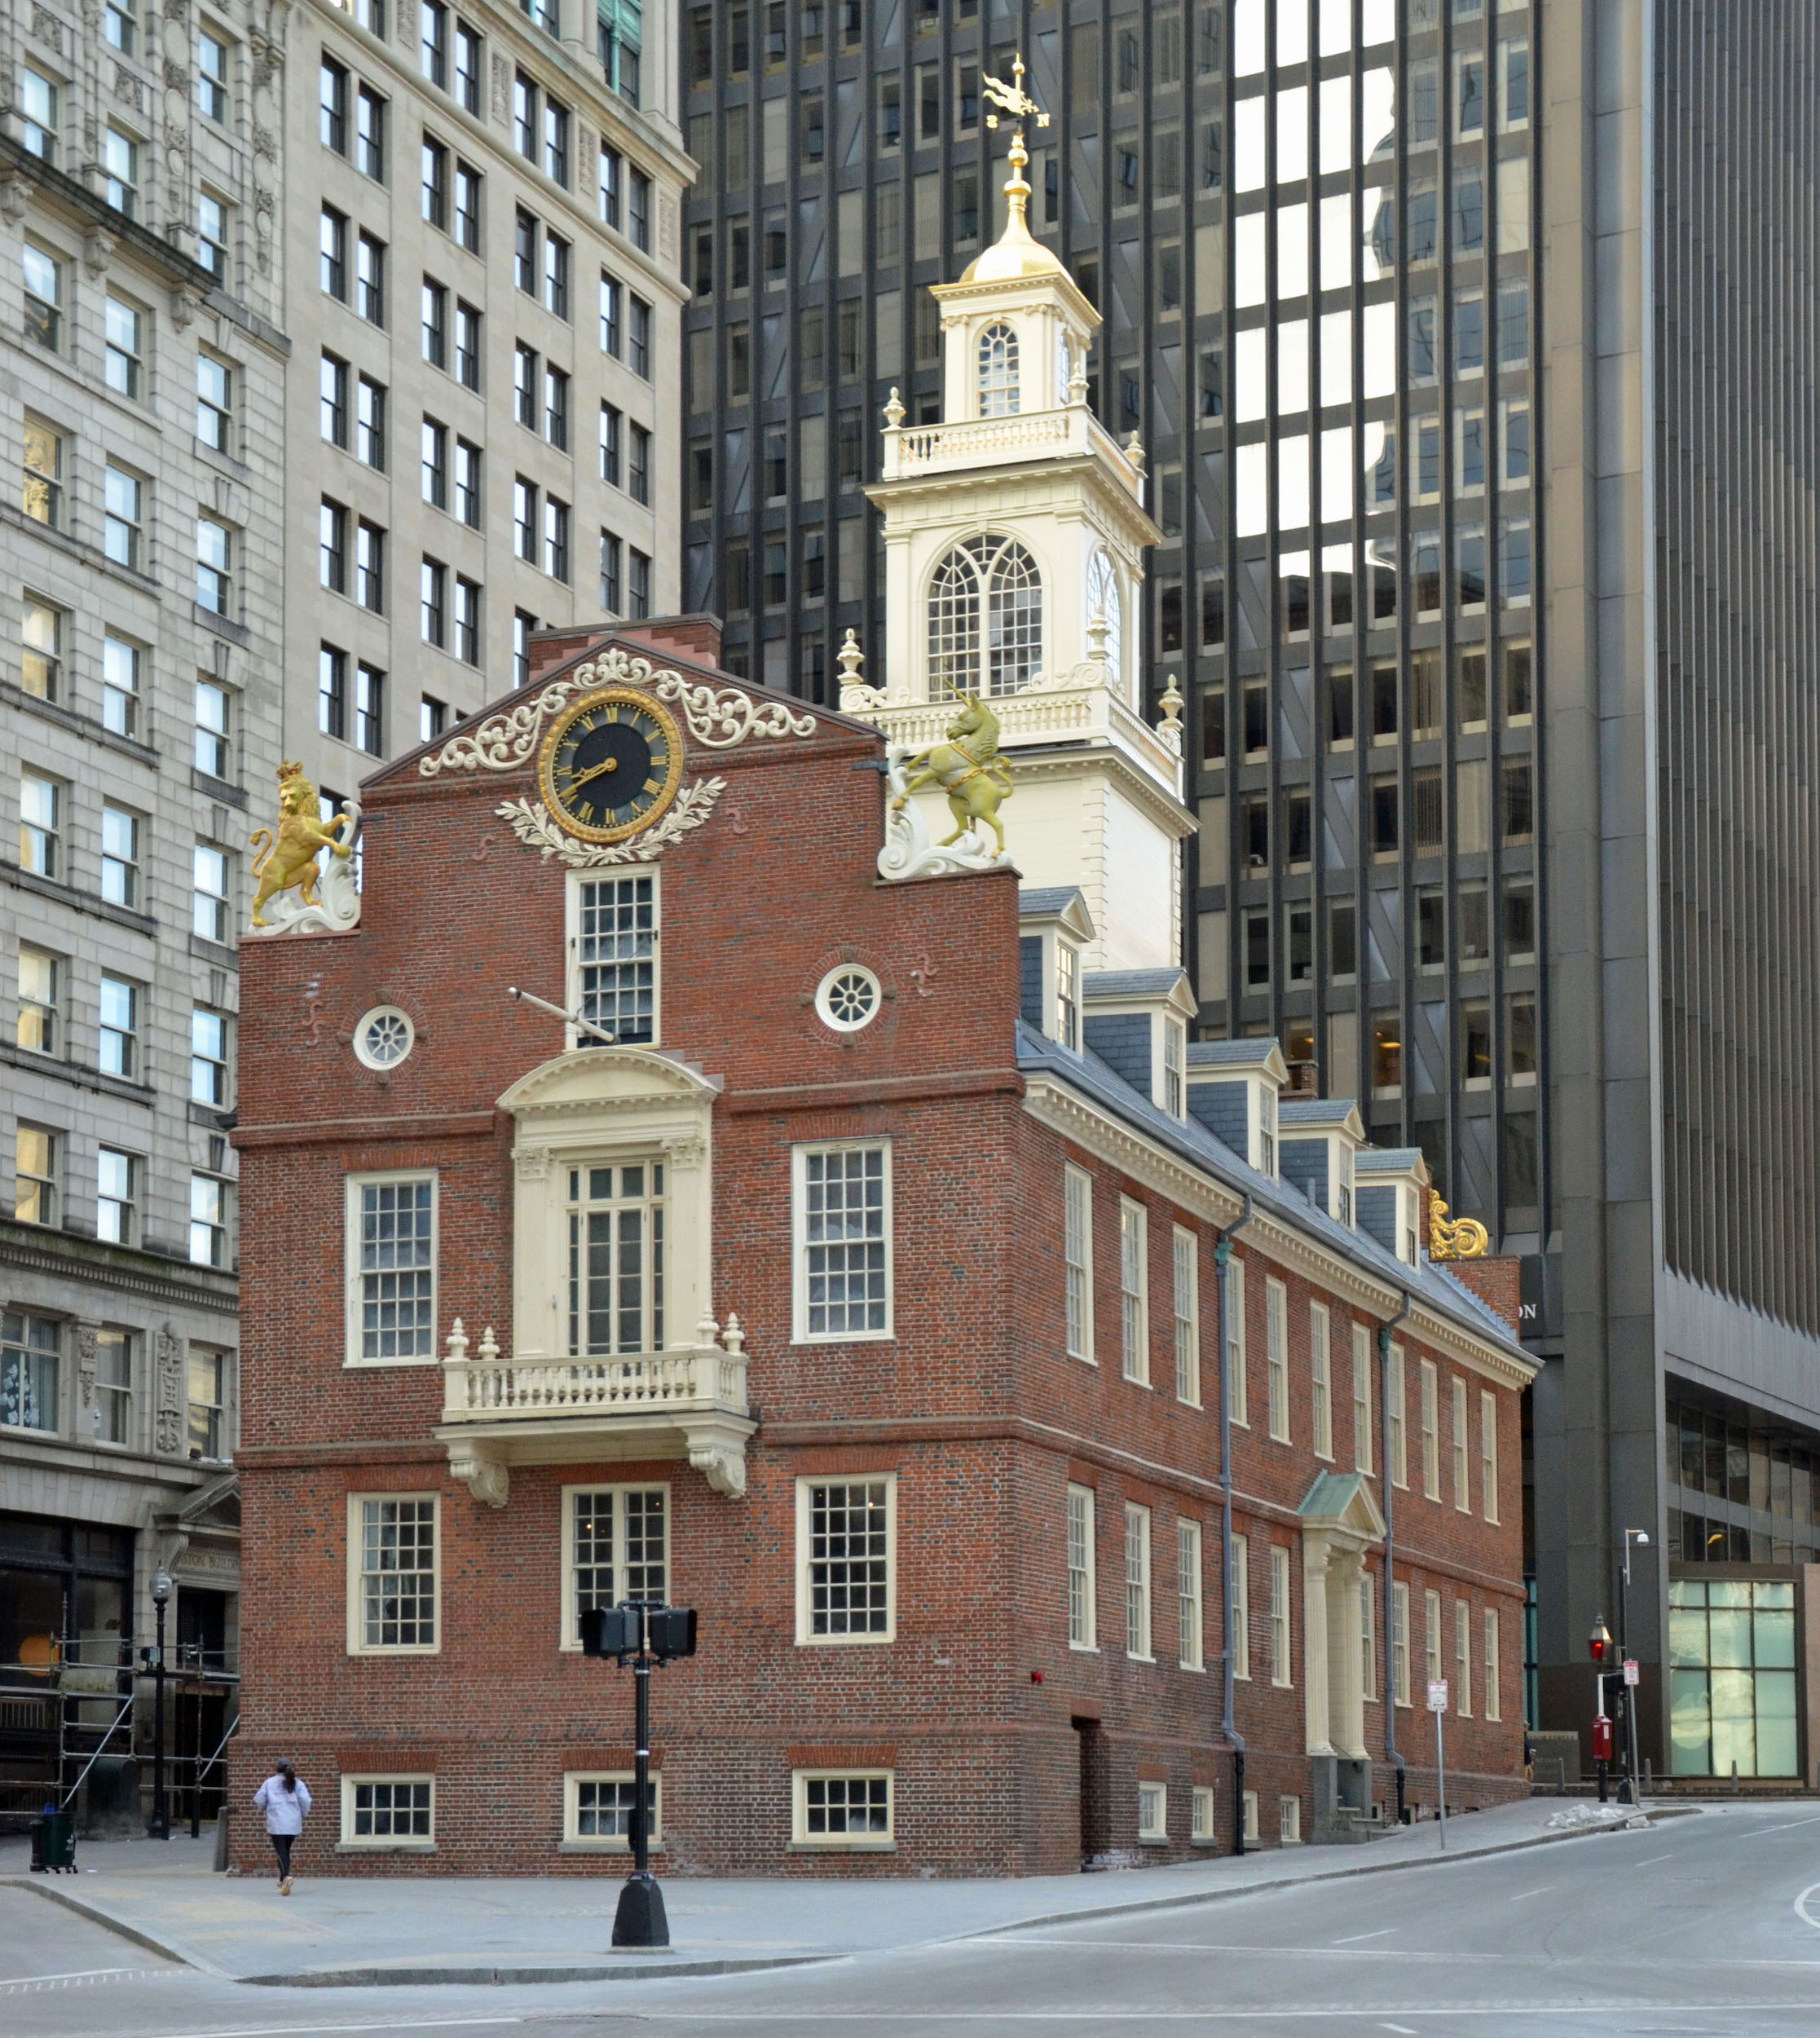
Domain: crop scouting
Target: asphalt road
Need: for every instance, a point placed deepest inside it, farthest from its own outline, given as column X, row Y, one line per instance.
column 1702, row 1924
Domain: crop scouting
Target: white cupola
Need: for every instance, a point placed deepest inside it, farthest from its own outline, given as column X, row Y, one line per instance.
column 1014, row 532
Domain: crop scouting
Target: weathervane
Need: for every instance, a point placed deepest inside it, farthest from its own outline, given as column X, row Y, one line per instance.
column 1012, row 99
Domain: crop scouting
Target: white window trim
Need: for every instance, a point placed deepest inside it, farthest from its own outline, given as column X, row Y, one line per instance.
column 1488, row 1454
column 1363, row 1457
column 1077, row 1179
column 388, row 1845
column 1463, row 1658
column 1158, row 1831
column 1250, row 1808
column 1433, row 1659
column 1090, row 1646
column 357, row 1643
column 1396, row 1422
column 841, row 1842
column 568, row 1642
column 806, row 1638
column 1200, row 1812
column 1236, row 1387
column 1320, row 1375
column 1276, row 1357
column 1186, row 1250
column 1493, row 1664
column 1191, row 1652
column 572, row 1036
column 1401, row 1650
column 1430, row 1389
column 1369, row 1585
column 1135, row 1355
column 1289, row 1821
column 351, row 1359
column 1282, row 1673
column 800, row 1333
column 609, row 1843
column 1241, row 1608
column 1137, row 1540
column 1462, row 1460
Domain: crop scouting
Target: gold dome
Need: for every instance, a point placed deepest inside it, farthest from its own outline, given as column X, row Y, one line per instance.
column 1014, row 254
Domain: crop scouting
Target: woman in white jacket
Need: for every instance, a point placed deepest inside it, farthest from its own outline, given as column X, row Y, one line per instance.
column 285, row 1802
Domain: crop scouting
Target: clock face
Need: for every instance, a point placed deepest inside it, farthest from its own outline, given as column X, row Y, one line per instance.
column 612, row 764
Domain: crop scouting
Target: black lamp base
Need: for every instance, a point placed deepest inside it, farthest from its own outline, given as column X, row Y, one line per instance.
column 640, row 1920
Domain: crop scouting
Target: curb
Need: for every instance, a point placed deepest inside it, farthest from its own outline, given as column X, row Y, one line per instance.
column 491, row 1976
column 502, row 1977
column 96, row 1916
column 1436, row 1860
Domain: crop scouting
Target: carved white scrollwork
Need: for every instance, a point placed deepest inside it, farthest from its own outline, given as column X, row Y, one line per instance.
column 531, row 824
column 718, row 716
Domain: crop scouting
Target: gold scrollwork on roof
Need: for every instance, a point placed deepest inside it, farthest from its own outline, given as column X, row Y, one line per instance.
column 1454, row 1237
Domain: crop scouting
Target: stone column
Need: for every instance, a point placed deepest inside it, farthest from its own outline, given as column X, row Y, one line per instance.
column 1314, row 1654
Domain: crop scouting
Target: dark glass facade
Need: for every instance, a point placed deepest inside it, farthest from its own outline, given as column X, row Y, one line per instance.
column 1308, row 230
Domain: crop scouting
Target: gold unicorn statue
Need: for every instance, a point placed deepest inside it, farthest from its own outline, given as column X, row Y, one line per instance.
column 969, row 768
column 288, row 861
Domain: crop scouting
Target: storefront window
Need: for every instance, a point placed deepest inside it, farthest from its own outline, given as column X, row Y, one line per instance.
column 1731, row 1677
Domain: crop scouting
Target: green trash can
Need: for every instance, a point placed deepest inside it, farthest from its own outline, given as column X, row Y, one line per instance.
column 54, row 1843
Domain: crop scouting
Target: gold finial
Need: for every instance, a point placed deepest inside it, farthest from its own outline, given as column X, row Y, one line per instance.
column 1455, row 1238
column 1015, row 101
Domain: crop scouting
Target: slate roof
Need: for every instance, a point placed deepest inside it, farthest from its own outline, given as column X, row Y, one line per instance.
column 1192, row 1143
column 1131, row 983
column 1230, row 1054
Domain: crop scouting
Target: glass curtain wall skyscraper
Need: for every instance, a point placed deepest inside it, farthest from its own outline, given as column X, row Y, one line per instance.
column 1308, row 229
column 1496, row 681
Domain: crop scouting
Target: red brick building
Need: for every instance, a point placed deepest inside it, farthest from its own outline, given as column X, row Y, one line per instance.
column 865, row 1294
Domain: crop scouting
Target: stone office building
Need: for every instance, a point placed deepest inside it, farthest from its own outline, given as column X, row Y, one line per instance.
column 482, row 287
column 141, row 625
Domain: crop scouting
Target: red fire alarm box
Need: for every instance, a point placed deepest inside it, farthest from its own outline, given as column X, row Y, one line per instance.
column 1602, row 1738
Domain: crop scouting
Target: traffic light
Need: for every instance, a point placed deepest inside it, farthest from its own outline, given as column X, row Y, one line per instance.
column 609, row 1630
column 672, row 1631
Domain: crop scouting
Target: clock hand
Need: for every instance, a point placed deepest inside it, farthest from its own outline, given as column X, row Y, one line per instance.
column 576, row 785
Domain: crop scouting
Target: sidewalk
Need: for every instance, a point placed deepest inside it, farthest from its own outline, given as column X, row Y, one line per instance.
column 350, row 1931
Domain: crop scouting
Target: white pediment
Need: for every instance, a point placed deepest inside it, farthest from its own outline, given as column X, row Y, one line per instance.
column 1344, row 1501
column 607, row 1079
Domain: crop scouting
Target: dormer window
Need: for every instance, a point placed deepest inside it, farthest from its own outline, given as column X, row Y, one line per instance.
column 1266, row 1131
column 998, row 393
column 1342, row 1205
column 998, row 568
column 1175, row 1041
column 1067, row 995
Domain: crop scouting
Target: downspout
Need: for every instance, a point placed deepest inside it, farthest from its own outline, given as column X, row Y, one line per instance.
column 1390, row 1755
column 1223, row 1255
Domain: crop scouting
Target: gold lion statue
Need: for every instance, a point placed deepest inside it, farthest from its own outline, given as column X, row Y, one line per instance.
column 969, row 768
column 287, row 861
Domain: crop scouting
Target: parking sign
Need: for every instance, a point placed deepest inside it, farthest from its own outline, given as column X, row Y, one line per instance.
column 1437, row 1695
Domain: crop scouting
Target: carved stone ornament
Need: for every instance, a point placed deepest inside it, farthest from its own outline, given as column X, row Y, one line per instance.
column 85, row 1361
column 48, row 28
column 718, row 718
column 168, row 1393
column 177, row 78
column 15, row 197
column 486, row 1478
column 531, row 823
column 97, row 246
column 908, row 853
column 128, row 89
column 184, row 305
column 264, row 142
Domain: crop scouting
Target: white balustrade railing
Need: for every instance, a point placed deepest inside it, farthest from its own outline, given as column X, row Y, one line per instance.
column 911, row 450
column 494, row 1387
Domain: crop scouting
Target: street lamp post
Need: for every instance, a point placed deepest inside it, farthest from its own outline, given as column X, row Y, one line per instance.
column 1641, row 1537
column 160, row 1816
column 639, row 1634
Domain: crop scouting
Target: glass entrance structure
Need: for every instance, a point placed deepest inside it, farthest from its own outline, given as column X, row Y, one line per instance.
column 1732, row 1685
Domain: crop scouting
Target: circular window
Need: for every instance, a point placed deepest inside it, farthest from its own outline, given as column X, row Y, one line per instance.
column 847, row 997
column 384, row 1038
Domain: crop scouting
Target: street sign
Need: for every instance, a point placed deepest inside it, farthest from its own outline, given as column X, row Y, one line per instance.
column 1631, row 1672
column 1437, row 1695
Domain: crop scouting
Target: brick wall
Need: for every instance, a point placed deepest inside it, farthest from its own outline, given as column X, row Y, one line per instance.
column 979, row 1705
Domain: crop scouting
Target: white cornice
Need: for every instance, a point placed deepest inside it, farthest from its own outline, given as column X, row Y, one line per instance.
column 1077, row 1118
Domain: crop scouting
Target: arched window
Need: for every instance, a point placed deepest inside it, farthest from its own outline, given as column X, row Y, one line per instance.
column 998, row 571
column 1103, row 600
column 997, row 372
